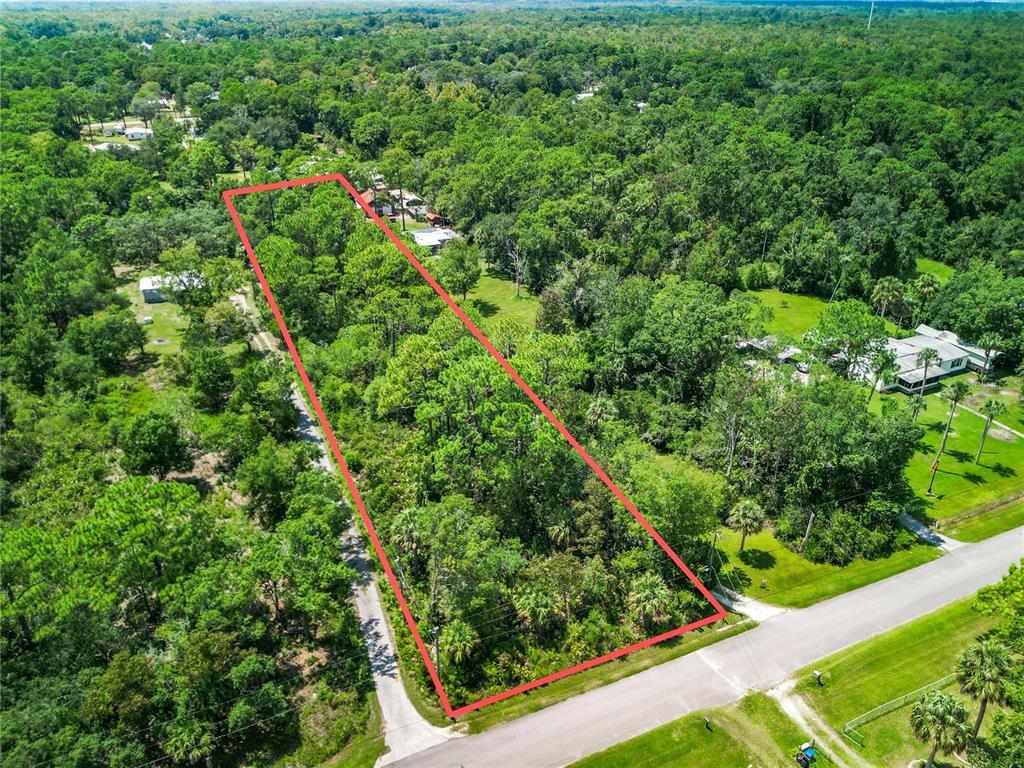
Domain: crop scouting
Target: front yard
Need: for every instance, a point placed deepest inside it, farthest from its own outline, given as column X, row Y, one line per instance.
column 888, row 666
column 769, row 571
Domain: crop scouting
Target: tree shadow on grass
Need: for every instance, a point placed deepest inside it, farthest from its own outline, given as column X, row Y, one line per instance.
column 918, row 508
column 962, row 456
column 758, row 559
column 486, row 308
column 735, row 579
column 1003, row 471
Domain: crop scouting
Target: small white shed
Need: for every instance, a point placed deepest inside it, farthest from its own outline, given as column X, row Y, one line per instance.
column 150, row 287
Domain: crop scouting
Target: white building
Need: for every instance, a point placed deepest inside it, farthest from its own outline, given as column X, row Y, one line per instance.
column 433, row 237
column 152, row 287
column 108, row 146
column 954, row 356
column 137, row 134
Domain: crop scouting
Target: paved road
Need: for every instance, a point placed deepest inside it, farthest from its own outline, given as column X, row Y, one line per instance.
column 761, row 658
column 406, row 732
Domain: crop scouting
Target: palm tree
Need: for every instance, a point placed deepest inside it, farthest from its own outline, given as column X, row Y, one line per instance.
column 940, row 719
column 989, row 342
column 957, row 392
column 918, row 403
column 925, row 358
column 984, row 674
column 458, row 641
column 746, row 517
column 536, row 607
column 883, row 366
column 926, row 286
column 992, row 409
column 887, row 291
column 405, row 530
column 560, row 528
column 650, row 598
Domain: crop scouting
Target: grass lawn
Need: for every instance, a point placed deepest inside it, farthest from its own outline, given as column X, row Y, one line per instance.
column 410, row 224
column 960, row 485
column 987, row 524
column 937, row 268
column 1005, row 388
column 495, row 297
column 233, row 176
column 793, row 581
column 602, row 675
column 168, row 321
column 885, row 667
column 794, row 314
column 753, row 731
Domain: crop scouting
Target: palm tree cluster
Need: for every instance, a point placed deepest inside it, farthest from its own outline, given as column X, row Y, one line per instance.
column 940, row 718
column 895, row 300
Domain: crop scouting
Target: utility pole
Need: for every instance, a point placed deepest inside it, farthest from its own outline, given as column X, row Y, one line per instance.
column 807, row 533
column 871, row 14
column 711, row 555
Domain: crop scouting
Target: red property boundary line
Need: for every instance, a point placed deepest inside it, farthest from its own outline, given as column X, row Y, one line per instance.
column 720, row 612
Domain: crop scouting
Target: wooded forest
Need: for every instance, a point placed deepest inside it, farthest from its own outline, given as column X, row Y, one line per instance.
column 173, row 585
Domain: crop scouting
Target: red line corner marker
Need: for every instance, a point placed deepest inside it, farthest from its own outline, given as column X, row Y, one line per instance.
column 719, row 613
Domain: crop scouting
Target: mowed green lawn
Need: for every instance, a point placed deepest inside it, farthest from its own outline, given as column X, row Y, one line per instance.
column 791, row 580
column 168, row 324
column 495, row 297
column 942, row 271
column 881, row 669
column 1001, row 387
column 960, row 485
column 987, row 524
column 794, row 314
column 754, row 731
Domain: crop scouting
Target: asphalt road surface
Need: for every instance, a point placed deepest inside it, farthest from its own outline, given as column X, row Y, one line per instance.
column 761, row 659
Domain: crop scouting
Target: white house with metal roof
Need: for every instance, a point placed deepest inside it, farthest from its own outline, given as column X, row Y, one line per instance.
column 954, row 356
column 153, row 287
column 433, row 237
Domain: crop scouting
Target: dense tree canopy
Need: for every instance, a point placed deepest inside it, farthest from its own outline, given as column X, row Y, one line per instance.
column 168, row 543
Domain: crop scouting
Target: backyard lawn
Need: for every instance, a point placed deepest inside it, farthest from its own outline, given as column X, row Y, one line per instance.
column 495, row 297
column 794, row 314
column 881, row 669
column 753, row 731
column 793, row 581
column 168, row 322
column 942, row 271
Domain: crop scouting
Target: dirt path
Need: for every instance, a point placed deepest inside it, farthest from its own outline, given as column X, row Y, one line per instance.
column 809, row 720
column 406, row 732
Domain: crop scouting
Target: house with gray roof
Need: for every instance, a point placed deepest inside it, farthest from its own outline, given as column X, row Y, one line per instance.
column 954, row 356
